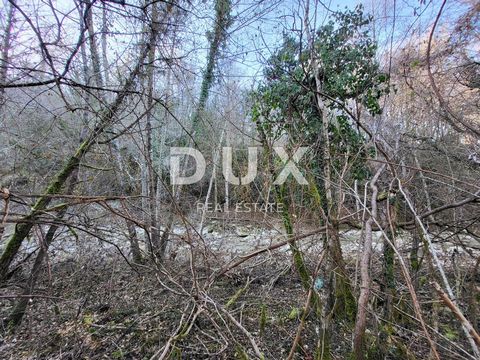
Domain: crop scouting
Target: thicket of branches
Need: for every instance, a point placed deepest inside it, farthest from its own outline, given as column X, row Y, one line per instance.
column 377, row 107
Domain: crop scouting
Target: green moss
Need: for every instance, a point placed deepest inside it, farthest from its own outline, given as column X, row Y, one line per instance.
column 296, row 252
column 263, row 319
column 240, row 353
column 450, row 333
column 183, row 333
column 322, row 351
column 294, row 313
column 176, row 353
column 22, row 229
column 235, row 296
column 87, row 319
column 223, row 20
column 345, row 304
column 346, row 307
column 118, row 354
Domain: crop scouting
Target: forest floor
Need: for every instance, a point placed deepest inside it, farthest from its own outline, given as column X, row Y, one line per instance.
column 99, row 307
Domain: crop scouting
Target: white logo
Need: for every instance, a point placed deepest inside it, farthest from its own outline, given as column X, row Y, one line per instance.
column 227, row 168
column 175, row 172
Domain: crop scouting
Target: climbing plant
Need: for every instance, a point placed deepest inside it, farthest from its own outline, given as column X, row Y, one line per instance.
column 285, row 104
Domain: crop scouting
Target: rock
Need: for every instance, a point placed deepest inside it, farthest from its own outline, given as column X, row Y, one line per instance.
column 243, row 231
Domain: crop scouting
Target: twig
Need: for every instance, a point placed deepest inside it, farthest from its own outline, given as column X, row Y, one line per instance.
column 456, row 311
column 245, row 331
column 31, row 296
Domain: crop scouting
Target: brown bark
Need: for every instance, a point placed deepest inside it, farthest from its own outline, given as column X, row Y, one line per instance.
column 458, row 314
column 361, row 321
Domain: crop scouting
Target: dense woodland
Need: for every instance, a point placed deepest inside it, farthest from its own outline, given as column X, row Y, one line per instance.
column 356, row 235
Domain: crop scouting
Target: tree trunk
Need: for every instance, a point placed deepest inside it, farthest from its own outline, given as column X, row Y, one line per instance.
column 150, row 161
column 341, row 296
column 361, row 320
column 389, row 259
column 107, row 117
column 99, row 80
column 222, row 23
column 466, row 326
column 16, row 315
column 4, row 61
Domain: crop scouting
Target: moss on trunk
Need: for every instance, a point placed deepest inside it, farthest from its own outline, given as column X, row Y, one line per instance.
column 23, row 228
column 345, row 305
column 106, row 118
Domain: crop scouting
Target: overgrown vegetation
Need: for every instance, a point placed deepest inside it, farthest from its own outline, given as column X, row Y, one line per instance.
column 354, row 235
